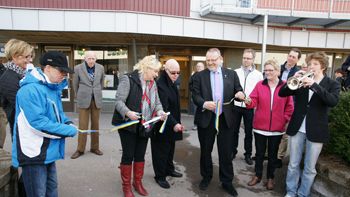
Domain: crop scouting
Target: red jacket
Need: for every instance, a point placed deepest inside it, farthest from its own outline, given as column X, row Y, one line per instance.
column 264, row 118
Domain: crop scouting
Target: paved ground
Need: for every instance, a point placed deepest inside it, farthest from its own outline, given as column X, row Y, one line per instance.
column 94, row 176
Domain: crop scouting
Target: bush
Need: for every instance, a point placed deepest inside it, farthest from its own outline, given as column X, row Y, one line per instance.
column 339, row 125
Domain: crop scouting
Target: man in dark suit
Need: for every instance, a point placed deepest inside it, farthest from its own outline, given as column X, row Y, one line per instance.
column 288, row 69
column 216, row 85
column 163, row 144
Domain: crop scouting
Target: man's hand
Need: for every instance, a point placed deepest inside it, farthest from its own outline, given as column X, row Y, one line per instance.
column 133, row 115
column 178, row 128
column 240, row 95
column 209, row 105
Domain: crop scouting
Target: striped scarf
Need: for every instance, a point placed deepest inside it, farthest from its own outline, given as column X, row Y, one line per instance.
column 17, row 69
column 148, row 99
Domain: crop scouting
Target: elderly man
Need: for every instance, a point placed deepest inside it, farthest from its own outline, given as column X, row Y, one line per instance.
column 213, row 90
column 163, row 144
column 88, row 84
column 248, row 77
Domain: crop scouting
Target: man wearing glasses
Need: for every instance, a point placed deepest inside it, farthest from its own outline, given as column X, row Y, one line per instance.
column 213, row 90
column 163, row 144
column 248, row 78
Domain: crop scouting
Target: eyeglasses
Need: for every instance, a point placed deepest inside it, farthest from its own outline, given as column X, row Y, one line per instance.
column 212, row 60
column 247, row 58
column 269, row 70
column 174, row 72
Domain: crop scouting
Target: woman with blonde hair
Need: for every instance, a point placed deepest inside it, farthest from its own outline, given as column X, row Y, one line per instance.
column 19, row 54
column 271, row 116
column 136, row 99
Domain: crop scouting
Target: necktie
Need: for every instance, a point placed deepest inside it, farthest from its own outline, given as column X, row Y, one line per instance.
column 218, row 88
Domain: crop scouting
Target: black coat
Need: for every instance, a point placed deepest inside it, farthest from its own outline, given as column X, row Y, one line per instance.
column 9, row 85
column 325, row 96
column 202, row 92
column 345, row 66
column 169, row 97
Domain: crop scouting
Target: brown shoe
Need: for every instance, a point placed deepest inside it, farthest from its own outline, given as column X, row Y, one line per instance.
column 255, row 180
column 97, row 152
column 76, row 154
column 270, row 184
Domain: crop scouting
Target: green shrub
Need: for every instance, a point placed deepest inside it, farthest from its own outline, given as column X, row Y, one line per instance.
column 339, row 125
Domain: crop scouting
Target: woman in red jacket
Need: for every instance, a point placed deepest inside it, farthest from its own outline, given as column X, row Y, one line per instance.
column 271, row 116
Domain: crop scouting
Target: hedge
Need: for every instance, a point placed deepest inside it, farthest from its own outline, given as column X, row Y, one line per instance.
column 339, row 125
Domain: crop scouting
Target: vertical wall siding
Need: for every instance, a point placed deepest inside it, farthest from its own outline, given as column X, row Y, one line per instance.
column 168, row 7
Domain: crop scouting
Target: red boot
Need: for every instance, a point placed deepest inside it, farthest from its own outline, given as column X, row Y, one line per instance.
column 138, row 174
column 125, row 173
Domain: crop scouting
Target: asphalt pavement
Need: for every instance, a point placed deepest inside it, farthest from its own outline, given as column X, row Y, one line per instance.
column 94, row 176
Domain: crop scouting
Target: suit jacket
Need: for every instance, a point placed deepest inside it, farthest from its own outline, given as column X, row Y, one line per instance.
column 325, row 96
column 202, row 92
column 169, row 97
column 291, row 72
column 84, row 88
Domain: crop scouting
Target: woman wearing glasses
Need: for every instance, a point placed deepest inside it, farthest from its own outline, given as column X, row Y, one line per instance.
column 271, row 116
column 137, row 97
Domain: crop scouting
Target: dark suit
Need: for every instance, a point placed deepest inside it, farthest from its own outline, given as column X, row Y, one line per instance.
column 205, row 119
column 291, row 72
column 326, row 95
column 163, row 144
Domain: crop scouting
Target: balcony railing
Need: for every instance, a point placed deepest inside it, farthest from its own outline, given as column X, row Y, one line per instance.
column 323, row 6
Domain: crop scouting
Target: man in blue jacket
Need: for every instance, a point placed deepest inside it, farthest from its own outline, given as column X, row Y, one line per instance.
column 41, row 126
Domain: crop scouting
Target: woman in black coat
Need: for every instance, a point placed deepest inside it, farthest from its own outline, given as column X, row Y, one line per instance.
column 163, row 144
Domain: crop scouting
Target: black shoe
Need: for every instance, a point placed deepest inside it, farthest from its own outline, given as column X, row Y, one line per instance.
column 203, row 185
column 175, row 174
column 278, row 163
column 163, row 183
column 229, row 189
column 248, row 160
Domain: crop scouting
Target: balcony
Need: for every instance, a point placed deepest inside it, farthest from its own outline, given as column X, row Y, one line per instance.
column 303, row 13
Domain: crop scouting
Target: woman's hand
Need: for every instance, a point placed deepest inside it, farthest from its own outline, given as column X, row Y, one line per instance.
column 163, row 115
column 133, row 115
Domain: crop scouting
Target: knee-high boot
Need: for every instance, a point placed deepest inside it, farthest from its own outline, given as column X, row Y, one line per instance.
column 125, row 173
column 138, row 174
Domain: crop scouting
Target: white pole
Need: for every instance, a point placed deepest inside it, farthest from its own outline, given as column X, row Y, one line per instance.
column 263, row 52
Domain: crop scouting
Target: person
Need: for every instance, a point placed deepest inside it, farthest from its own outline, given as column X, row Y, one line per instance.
column 270, row 119
column 309, row 123
column 41, row 125
column 137, row 97
column 248, row 78
column 340, row 77
column 3, row 118
column 288, row 69
column 346, row 68
column 199, row 67
column 163, row 144
column 88, row 83
column 303, row 67
column 216, row 85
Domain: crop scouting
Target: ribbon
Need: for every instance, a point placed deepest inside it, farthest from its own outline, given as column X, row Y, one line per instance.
column 217, row 114
column 125, row 124
column 87, row 131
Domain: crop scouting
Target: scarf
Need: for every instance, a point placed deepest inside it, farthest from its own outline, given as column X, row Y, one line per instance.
column 17, row 69
column 148, row 99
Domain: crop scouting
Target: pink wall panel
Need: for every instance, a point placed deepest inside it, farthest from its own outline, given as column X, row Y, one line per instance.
column 169, row 7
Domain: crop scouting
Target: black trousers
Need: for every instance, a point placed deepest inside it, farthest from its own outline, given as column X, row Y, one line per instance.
column 224, row 143
column 162, row 158
column 134, row 147
column 247, row 115
column 272, row 150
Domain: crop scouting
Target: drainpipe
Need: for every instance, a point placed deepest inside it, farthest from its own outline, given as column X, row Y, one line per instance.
column 134, row 51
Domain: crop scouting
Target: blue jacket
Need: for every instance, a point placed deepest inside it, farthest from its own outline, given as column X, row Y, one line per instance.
column 40, row 125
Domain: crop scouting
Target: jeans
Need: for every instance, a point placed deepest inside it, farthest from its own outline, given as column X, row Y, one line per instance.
column 40, row 180
column 312, row 151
